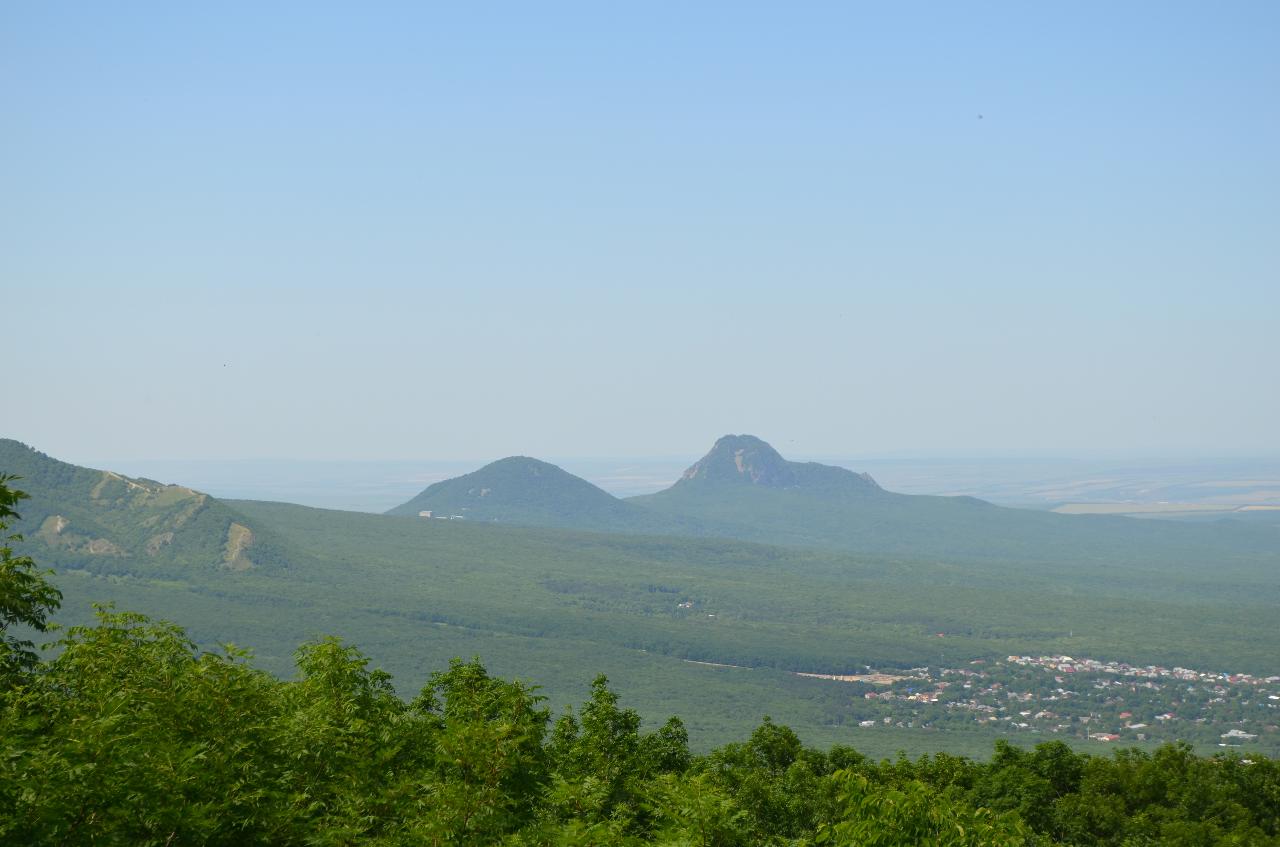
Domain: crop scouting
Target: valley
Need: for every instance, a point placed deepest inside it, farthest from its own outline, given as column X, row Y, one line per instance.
column 711, row 628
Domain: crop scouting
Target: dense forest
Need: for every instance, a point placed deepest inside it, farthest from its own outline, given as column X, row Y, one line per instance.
column 127, row 733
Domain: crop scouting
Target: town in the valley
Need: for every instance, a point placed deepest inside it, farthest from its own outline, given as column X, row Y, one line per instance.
column 1101, row 701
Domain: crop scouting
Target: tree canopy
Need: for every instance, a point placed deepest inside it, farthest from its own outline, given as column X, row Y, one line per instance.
column 26, row 596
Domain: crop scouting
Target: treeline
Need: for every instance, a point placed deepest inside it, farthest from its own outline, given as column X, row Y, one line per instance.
column 133, row 736
column 129, row 734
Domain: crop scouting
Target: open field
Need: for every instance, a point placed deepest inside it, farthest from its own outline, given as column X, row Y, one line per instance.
column 376, row 486
column 1144, row 508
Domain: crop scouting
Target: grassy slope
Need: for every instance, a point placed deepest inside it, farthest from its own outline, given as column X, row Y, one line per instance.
column 101, row 520
column 528, row 492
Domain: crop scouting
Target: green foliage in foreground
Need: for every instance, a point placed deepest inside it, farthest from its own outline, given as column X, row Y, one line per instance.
column 26, row 597
column 131, row 735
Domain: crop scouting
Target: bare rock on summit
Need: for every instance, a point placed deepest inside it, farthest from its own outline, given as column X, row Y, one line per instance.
column 747, row 460
column 743, row 458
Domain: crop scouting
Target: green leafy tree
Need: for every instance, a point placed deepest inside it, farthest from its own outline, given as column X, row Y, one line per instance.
column 913, row 815
column 1031, row 783
column 598, row 752
column 602, row 761
column 26, row 596
column 692, row 811
column 490, row 766
column 667, row 750
column 351, row 748
column 132, row 736
column 778, row 783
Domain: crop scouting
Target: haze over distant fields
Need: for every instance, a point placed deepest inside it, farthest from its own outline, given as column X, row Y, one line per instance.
column 1213, row 486
column 579, row 230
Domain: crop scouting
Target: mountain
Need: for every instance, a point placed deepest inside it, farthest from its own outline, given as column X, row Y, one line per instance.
column 746, row 460
column 744, row 489
column 524, row 491
column 101, row 521
column 517, row 489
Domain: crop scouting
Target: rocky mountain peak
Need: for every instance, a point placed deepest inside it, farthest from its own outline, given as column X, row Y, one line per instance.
column 743, row 459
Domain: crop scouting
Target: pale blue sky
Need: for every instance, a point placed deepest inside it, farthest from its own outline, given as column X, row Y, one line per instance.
column 464, row 231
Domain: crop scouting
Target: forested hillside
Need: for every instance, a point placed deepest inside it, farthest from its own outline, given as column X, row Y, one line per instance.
column 715, row 629
column 107, row 522
column 744, row 489
column 522, row 491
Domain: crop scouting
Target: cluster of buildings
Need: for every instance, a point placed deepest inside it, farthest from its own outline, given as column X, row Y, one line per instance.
column 1103, row 701
column 1066, row 664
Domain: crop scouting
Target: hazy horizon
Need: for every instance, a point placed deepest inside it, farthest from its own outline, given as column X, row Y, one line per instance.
column 379, row 485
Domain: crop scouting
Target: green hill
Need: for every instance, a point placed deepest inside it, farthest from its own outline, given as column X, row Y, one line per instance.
column 519, row 490
column 737, row 461
column 102, row 521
